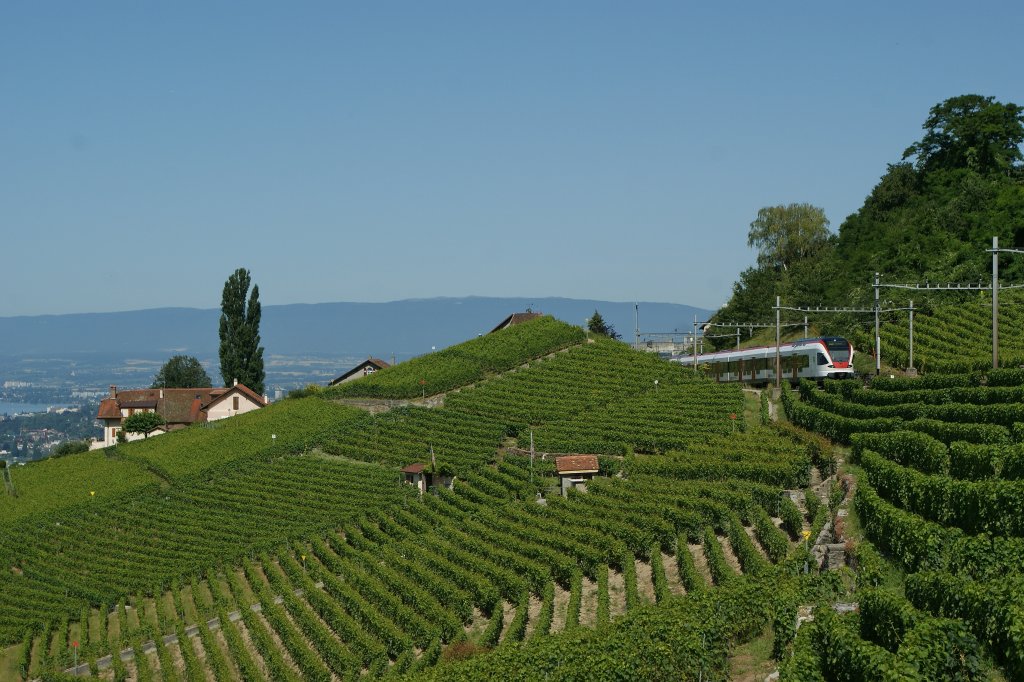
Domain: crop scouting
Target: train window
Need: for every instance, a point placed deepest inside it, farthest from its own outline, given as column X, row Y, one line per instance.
column 822, row 360
column 805, row 361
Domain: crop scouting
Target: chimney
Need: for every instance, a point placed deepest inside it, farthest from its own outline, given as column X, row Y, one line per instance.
column 236, row 382
column 113, row 391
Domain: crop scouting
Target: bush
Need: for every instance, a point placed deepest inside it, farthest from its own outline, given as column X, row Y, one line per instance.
column 792, row 519
column 70, row 447
column 943, row 649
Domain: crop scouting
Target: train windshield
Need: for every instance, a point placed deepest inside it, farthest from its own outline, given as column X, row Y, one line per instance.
column 839, row 349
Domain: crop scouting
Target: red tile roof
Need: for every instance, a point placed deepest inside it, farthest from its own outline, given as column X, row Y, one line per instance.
column 416, row 468
column 576, row 464
column 109, row 409
column 178, row 406
column 237, row 388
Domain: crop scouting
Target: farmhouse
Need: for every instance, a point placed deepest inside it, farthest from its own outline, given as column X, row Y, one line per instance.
column 575, row 470
column 179, row 407
column 363, row 369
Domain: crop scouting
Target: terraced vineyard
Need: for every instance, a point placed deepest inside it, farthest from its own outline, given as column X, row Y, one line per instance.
column 958, row 337
column 465, row 363
column 308, row 559
column 941, row 496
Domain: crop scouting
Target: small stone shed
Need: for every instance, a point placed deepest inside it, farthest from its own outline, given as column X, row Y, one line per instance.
column 423, row 479
column 575, row 470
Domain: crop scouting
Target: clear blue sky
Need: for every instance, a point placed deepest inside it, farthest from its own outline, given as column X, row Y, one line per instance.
column 378, row 151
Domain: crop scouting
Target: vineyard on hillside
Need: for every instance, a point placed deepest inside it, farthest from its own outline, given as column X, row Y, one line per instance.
column 941, row 496
column 97, row 476
column 306, row 557
column 465, row 363
column 957, row 337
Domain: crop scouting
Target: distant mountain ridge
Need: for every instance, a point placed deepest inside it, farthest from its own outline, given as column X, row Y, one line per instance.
column 402, row 328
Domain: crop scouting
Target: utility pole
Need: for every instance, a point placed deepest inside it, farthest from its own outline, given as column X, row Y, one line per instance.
column 995, row 302
column 778, row 343
column 878, row 336
column 531, row 455
column 737, row 338
column 911, row 358
column 694, row 344
column 805, row 326
column 636, row 324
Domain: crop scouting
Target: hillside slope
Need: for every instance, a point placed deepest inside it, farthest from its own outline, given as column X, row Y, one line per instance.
column 351, row 571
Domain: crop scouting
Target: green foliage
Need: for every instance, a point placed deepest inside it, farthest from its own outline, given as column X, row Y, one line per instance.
column 241, row 355
column 792, row 518
column 993, row 610
column 971, row 131
column 464, row 363
column 812, row 502
column 682, row 640
column 182, row 371
column 908, row 448
column 943, row 649
column 975, row 506
column 784, row 625
column 927, row 220
column 786, row 234
column 978, row 462
column 70, row 447
column 845, row 656
column 804, row 661
column 597, row 325
column 142, row 422
column 603, row 600
column 885, row 618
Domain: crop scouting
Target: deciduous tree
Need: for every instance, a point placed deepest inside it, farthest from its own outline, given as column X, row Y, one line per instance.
column 785, row 234
column 971, row 131
column 182, row 371
column 241, row 355
column 142, row 422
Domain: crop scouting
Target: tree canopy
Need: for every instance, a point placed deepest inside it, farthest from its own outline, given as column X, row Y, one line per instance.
column 930, row 218
column 241, row 355
column 142, row 422
column 971, row 131
column 182, row 371
column 785, row 234
column 597, row 325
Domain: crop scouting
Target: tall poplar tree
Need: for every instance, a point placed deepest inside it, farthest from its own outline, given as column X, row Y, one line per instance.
column 241, row 355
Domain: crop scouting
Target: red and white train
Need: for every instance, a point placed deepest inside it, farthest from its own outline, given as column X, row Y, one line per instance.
column 829, row 357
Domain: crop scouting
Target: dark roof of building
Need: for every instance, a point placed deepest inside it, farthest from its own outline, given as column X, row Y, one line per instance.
column 515, row 318
column 376, row 362
column 577, row 464
column 416, row 468
column 175, row 405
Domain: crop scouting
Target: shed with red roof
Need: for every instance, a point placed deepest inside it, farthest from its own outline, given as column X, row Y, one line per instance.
column 575, row 470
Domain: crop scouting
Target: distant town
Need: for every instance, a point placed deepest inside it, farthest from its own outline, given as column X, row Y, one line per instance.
column 48, row 401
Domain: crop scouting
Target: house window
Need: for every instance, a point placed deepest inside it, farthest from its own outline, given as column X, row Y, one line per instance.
column 234, row 403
